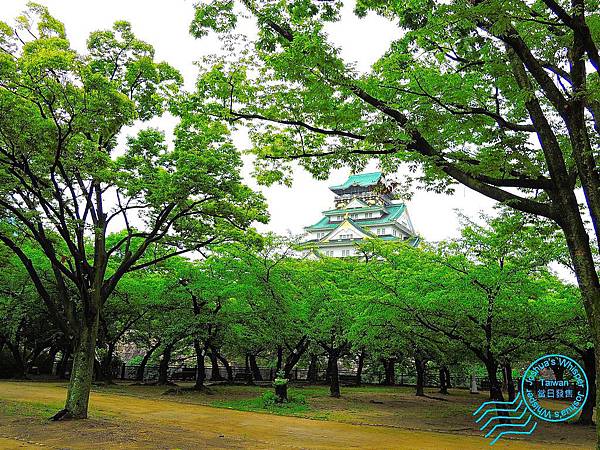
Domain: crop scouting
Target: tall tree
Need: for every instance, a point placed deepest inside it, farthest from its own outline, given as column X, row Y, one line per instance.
column 24, row 329
column 135, row 297
column 203, row 288
column 501, row 97
column 329, row 290
column 269, row 312
column 483, row 291
column 64, row 184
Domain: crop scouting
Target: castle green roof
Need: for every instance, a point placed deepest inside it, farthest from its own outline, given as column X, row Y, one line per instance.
column 394, row 211
column 361, row 179
column 332, row 212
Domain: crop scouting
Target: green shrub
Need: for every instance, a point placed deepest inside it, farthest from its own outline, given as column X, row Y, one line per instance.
column 280, row 379
column 268, row 399
column 296, row 404
column 299, row 399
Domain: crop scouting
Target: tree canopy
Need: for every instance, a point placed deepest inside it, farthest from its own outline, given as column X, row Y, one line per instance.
column 66, row 183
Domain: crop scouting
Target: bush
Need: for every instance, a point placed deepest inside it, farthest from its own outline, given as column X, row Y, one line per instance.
column 299, row 399
column 296, row 404
column 268, row 400
column 280, row 379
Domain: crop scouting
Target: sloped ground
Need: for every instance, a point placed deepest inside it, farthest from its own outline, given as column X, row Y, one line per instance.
column 140, row 417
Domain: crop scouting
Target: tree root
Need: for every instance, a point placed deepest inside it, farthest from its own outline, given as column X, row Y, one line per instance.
column 63, row 414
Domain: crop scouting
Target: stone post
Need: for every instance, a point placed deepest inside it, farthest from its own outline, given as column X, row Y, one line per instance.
column 474, row 384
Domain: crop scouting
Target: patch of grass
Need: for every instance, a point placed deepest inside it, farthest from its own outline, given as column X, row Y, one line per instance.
column 312, row 391
column 321, row 415
column 266, row 403
column 42, row 411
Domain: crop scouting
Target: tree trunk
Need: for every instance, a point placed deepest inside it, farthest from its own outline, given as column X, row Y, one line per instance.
column 508, row 380
column 389, row 366
column 329, row 370
column 106, row 365
column 447, row 376
column 31, row 360
column 473, row 389
column 227, row 366
column 589, row 366
column 256, row 376
column 359, row 367
column 51, row 357
column 61, row 368
column 139, row 373
column 281, row 393
column 295, row 356
column 334, row 376
column 80, row 384
column 443, row 381
column 596, row 384
column 215, row 374
column 247, row 370
column 200, row 368
column 163, row 367
column 279, row 358
column 420, row 367
column 20, row 371
column 313, row 373
column 587, row 277
column 96, row 374
column 495, row 387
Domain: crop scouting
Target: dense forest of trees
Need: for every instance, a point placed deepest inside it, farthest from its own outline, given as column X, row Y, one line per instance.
column 151, row 243
column 482, row 299
column 501, row 97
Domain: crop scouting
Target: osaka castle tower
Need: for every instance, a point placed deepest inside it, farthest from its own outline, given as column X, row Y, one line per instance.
column 364, row 207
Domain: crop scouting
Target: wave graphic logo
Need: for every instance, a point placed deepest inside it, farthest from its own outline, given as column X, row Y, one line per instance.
column 542, row 395
column 503, row 418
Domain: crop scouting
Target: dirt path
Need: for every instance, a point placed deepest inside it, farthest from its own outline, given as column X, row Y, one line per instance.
column 11, row 444
column 127, row 422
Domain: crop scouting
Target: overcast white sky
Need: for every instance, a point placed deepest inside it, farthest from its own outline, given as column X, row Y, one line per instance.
column 164, row 24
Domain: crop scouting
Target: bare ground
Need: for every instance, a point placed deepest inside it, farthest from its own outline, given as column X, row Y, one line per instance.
column 125, row 416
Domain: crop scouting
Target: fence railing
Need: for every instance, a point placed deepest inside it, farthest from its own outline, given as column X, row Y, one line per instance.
column 347, row 376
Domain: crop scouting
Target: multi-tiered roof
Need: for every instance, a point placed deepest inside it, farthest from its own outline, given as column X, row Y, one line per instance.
column 364, row 207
